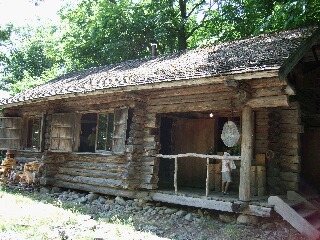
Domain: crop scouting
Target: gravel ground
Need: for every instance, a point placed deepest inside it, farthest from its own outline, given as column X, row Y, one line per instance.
column 166, row 221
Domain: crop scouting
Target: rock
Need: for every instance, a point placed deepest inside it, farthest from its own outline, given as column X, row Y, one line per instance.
column 44, row 190
column 247, row 219
column 109, row 202
column 102, row 200
column 227, row 218
column 92, row 196
column 56, row 190
column 170, row 210
column 268, row 225
column 82, row 200
column 120, row 201
column 188, row 217
column 181, row 213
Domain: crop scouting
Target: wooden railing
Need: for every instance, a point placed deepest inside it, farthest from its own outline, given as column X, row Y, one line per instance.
column 196, row 155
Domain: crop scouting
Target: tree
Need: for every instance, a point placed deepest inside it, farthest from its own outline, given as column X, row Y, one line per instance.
column 30, row 63
column 234, row 19
column 101, row 32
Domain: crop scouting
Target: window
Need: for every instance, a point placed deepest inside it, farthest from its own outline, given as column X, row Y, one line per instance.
column 33, row 133
column 91, row 132
column 105, row 132
column 101, row 132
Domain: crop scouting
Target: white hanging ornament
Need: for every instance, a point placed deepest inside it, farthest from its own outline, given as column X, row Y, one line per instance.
column 230, row 134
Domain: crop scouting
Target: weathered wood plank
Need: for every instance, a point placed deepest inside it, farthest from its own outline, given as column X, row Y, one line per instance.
column 191, row 98
column 246, row 154
column 293, row 217
column 113, row 183
column 270, row 101
column 184, row 107
column 103, row 190
column 95, row 166
column 89, row 173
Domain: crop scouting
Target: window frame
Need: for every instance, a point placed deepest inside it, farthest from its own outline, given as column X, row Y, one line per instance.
column 27, row 131
column 119, row 140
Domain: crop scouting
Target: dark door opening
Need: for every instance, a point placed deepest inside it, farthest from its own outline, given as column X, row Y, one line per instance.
column 185, row 134
column 310, row 159
column 166, row 166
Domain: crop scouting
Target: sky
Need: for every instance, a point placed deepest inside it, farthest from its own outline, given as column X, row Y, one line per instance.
column 24, row 12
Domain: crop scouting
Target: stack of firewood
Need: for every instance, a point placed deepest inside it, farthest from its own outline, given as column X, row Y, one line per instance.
column 29, row 173
column 32, row 172
column 7, row 165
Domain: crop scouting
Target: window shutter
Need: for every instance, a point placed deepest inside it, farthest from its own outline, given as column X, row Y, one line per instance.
column 10, row 132
column 120, row 127
column 62, row 127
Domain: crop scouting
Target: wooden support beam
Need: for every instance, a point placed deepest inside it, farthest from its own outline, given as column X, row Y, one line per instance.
column 270, row 101
column 208, row 178
column 246, row 154
column 176, row 175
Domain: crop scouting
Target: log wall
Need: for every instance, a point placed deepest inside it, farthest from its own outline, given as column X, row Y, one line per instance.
column 138, row 167
column 283, row 149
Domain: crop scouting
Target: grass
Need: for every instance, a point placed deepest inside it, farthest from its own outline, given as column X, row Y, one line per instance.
column 34, row 216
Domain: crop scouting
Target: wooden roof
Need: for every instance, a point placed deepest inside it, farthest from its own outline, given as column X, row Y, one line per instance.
column 258, row 53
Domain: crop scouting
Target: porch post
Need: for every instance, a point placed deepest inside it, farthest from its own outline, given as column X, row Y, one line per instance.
column 246, row 154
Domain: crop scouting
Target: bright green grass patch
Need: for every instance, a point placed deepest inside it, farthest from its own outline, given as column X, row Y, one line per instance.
column 32, row 216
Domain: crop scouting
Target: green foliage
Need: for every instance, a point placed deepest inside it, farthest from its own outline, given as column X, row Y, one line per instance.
column 30, row 61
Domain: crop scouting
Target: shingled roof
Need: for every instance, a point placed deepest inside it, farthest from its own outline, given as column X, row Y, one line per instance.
column 257, row 53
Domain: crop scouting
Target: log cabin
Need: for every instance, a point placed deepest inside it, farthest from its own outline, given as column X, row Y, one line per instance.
column 151, row 128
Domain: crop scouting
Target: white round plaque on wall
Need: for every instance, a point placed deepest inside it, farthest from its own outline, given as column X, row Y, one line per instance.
column 230, row 134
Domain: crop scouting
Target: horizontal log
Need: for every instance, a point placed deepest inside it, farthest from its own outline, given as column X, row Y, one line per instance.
column 152, row 138
column 185, row 91
column 110, row 167
column 265, row 102
column 139, row 111
column 89, row 173
column 291, row 186
column 148, row 186
column 267, row 82
column 151, row 124
column 134, row 141
column 81, row 101
column 134, row 148
column 192, row 98
column 286, row 144
column 291, row 128
column 289, row 176
column 149, row 169
column 150, row 161
column 291, row 159
column 103, row 190
column 136, row 133
column 94, row 157
column 149, row 178
column 92, row 181
column 223, row 105
column 100, row 107
column 268, row 91
column 199, row 156
column 290, row 167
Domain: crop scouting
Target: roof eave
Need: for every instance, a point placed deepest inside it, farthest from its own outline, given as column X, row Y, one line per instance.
column 292, row 60
column 270, row 72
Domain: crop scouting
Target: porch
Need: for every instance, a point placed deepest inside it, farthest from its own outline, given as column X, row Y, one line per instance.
column 258, row 205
